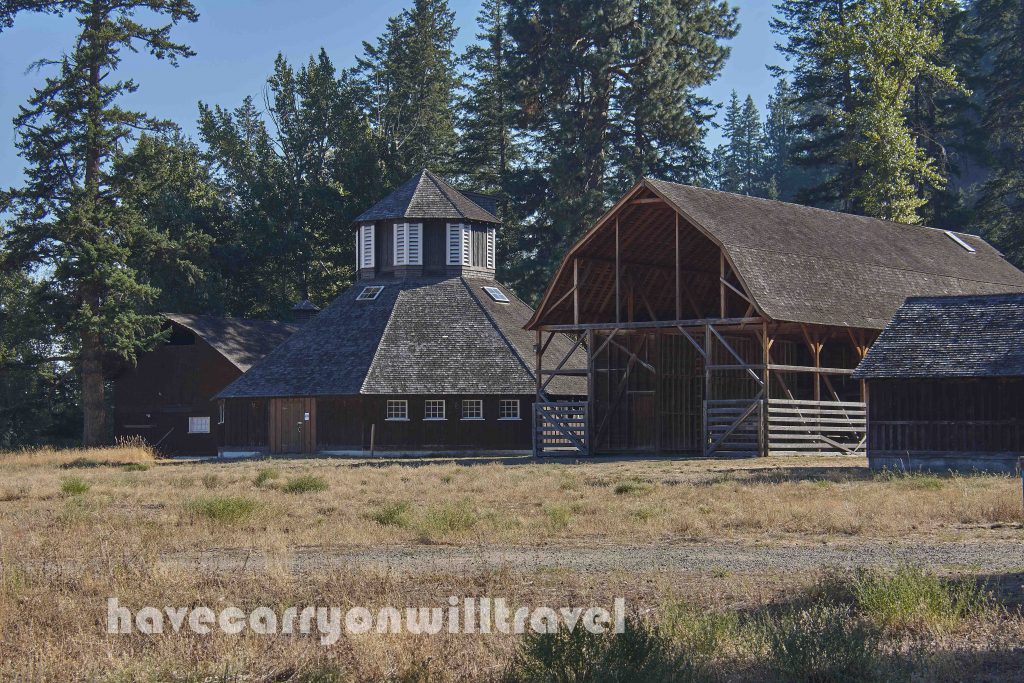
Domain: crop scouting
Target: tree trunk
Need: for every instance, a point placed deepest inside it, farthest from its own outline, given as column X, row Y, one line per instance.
column 94, row 407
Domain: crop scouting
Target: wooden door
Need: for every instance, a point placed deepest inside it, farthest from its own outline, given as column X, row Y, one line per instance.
column 293, row 425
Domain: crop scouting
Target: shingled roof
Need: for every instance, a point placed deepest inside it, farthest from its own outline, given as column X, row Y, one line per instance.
column 242, row 342
column 807, row 265
column 419, row 336
column 958, row 336
column 427, row 196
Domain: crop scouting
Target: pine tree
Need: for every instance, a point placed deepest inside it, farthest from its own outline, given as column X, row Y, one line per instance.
column 890, row 45
column 406, row 84
column 742, row 157
column 68, row 226
column 782, row 178
column 731, row 180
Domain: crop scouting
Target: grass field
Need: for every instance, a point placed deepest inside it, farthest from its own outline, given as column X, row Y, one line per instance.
column 774, row 568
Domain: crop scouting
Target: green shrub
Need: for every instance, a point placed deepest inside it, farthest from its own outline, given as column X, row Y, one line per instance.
column 449, row 519
column 703, row 634
column 306, row 483
column 73, row 486
column 392, row 514
column 81, row 464
column 211, row 481
column 911, row 597
column 223, row 509
column 821, row 643
column 633, row 487
column 578, row 656
column 135, row 467
column 265, row 475
column 557, row 517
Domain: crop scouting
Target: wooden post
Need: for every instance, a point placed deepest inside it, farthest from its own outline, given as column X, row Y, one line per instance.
column 708, row 360
column 618, row 301
column 766, row 346
column 721, row 285
column 679, row 275
column 576, row 291
column 590, row 393
column 373, row 435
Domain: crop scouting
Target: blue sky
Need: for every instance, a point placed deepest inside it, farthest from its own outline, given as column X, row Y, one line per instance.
column 237, row 40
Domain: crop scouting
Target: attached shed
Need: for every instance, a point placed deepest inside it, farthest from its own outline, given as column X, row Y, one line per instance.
column 717, row 323
column 946, row 381
column 166, row 398
column 426, row 353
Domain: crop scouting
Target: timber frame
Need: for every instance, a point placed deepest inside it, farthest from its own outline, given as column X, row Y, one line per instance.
column 680, row 357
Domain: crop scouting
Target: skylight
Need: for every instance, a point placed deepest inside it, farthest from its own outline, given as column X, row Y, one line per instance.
column 496, row 294
column 956, row 238
column 369, row 293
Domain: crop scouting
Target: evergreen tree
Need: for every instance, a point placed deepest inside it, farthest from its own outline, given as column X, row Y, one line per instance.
column 781, row 178
column 606, row 93
column 730, row 172
column 1000, row 24
column 406, row 85
column 742, row 157
column 68, row 226
column 890, row 46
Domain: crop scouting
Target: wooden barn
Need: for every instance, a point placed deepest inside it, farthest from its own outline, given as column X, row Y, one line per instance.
column 426, row 353
column 167, row 398
column 946, row 380
column 722, row 324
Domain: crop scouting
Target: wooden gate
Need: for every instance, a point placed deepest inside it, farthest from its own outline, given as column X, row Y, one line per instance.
column 292, row 425
column 733, row 427
column 560, row 428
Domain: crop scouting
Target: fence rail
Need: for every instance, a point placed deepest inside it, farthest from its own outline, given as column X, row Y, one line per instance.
column 560, row 427
column 816, row 426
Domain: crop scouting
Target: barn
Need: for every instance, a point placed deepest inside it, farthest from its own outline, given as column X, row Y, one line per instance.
column 946, row 380
column 720, row 324
column 426, row 353
column 167, row 397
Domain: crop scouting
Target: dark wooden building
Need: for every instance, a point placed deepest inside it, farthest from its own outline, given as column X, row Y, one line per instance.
column 426, row 353
column 723, row 324
column 167, row 397
column 946, row 383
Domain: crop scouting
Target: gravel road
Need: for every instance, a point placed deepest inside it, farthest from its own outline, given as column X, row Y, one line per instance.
column 984, row 556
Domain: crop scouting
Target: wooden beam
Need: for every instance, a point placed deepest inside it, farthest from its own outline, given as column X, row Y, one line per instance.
column 652, row 324
column 646, row 200
column 721, row 284
column 576, row 291
column 589, row 443
column 738, row 357
column 679, row 275
column 618, row 256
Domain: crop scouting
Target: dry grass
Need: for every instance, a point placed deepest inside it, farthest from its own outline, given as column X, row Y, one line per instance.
column 62, row 555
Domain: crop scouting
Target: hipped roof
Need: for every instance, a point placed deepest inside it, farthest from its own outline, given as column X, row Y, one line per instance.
column 242, row 342
column 807, row 265
column 945, row 337
column 421, row 336
column 427, row 196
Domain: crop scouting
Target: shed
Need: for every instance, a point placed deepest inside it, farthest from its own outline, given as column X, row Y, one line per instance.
column 426, row 353
column 946, row 385
column 722, row 324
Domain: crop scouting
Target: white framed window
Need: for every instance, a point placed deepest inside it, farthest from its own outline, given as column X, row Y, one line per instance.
column 220, row 409
column 365, row 247
column 397, row 410
column 472, row 409
column 199, row 425
column 433, row 409
column 508, row 409
column 491, row 245
column 408, row 244
column 460, row 244
column 369, row 293
column 496, row 294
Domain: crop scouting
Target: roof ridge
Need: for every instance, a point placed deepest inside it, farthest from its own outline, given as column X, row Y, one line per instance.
column 504, row 338
column 847, row 214
column 383, row 333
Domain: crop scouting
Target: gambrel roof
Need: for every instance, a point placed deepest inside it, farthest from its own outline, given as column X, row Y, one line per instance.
column 958, row 336
column 427, row 196
column 806, row 265
column 429, row 336
column 241, row 341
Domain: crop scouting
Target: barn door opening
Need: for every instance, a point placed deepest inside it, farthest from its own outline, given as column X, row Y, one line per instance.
column 293, row 425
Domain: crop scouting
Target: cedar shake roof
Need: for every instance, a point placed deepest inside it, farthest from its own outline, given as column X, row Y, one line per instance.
column 242, row 342
column 419, row 336
column 427, row 196
column 960, row 336
column 807, row 265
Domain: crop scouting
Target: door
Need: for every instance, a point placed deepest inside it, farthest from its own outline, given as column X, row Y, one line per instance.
column 293, row 425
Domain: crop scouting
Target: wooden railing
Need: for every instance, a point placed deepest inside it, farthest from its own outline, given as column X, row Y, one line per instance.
column 732, row 427
column 816, row 426
column 560, row 427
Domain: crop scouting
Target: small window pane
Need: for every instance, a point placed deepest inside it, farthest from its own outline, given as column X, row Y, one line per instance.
column 496, row 294
column 369, row 293
column 199, row 425
column 398, row 410
column 472, row 409
column 433, row 410
column 508, row 409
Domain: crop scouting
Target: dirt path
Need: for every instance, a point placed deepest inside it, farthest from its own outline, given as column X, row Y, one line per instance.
column 981, row 556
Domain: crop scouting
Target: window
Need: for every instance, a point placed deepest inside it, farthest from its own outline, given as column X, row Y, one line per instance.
column 460, row 240
column 199, row 425
column 496, row 294
column 365, row 247
column 369, row 293
column 472, row 409
column 433, row 409
column 508, row 409
column 408, row 244
column 959, row 240
column 398, row 410
column 491, row 235
column 220, row 416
